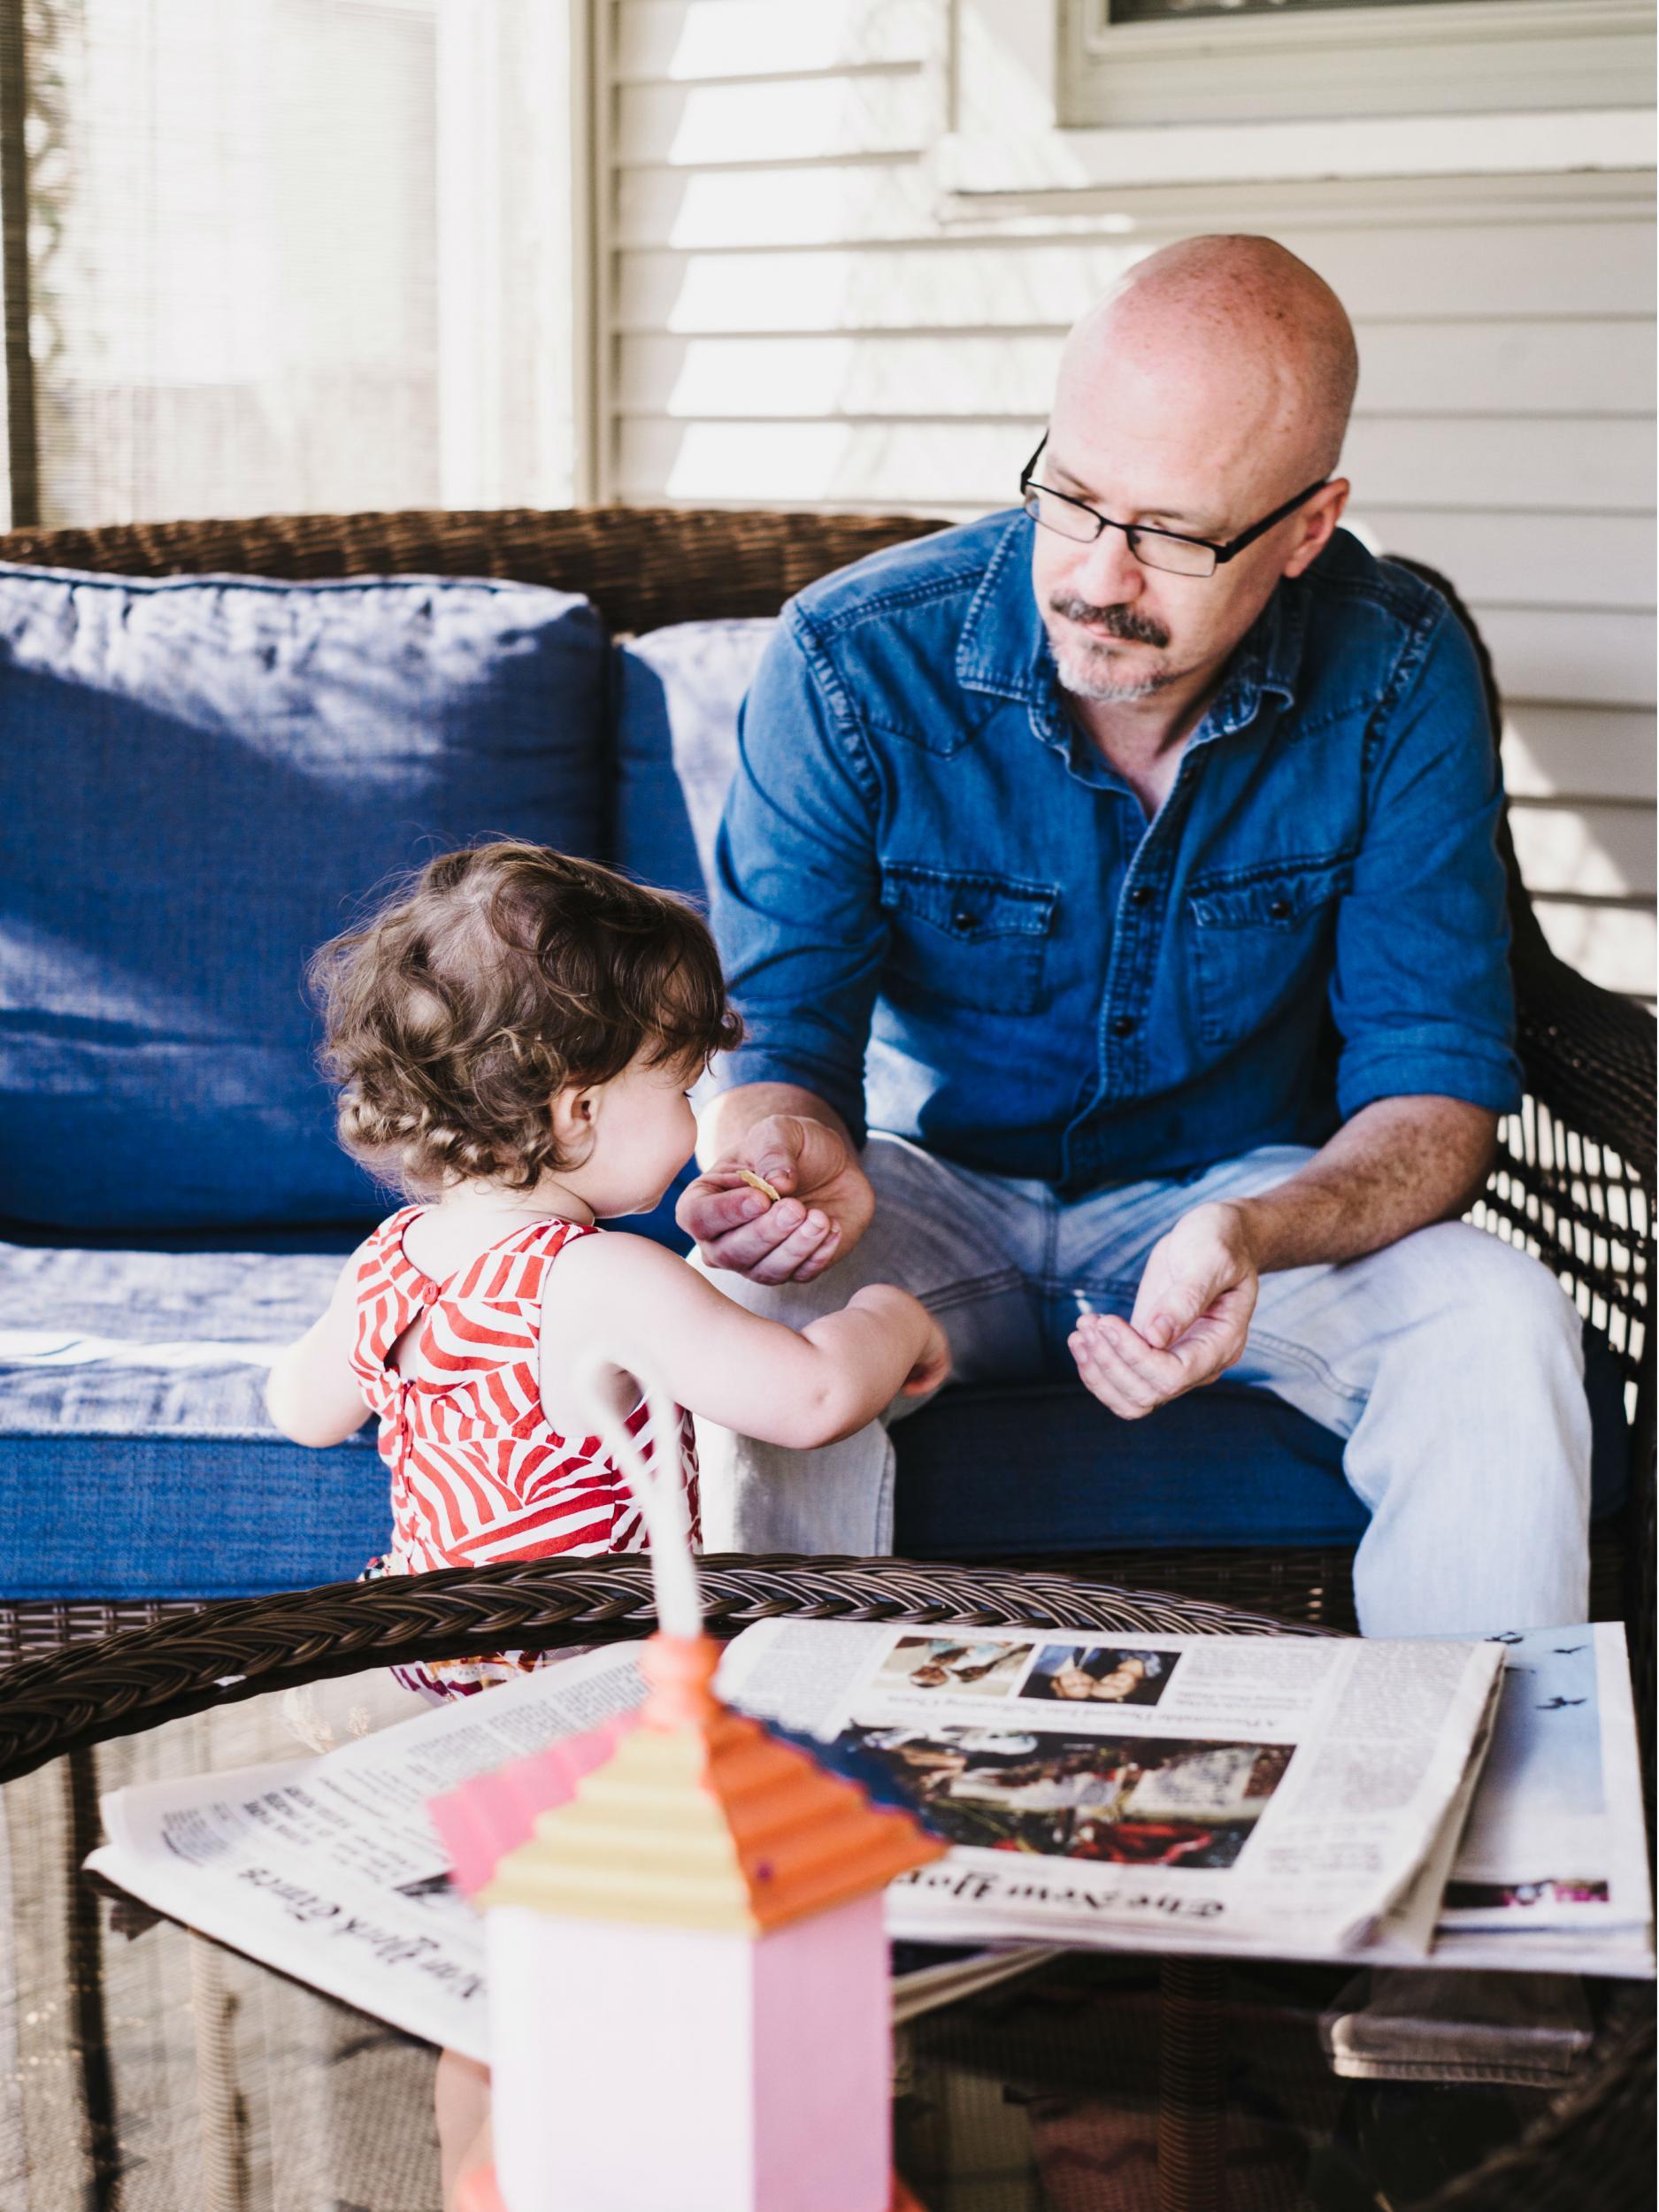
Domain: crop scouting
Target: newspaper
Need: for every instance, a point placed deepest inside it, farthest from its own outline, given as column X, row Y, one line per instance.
column 1290, row 1796
column 1553, row 1862
column 328, row 1866
column 1277, row 1795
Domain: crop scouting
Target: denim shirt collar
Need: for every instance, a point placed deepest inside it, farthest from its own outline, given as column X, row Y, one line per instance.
column 1003, row 648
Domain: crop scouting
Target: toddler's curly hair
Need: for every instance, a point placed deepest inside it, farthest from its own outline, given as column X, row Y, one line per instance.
column 499, row 975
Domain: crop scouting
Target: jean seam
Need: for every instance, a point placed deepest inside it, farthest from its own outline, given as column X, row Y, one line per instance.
column 1300, row 1355
column 964, row 1293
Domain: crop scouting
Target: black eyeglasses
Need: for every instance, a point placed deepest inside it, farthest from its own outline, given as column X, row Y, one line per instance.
column 1167, row 550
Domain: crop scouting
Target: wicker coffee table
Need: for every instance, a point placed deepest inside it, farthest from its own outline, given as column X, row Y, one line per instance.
column 148, row 2070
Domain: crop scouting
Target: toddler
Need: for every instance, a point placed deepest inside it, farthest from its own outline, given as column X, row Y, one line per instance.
column 515, row 1037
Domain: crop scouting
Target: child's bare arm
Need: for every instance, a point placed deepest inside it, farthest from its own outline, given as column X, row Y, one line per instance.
column 645, row 1310
column 313, row 1395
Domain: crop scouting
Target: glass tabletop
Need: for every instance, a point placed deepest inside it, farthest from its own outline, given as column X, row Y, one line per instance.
column 147, row 2070
column 1049, row 2095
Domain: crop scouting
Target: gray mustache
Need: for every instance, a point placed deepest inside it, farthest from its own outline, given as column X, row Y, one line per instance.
column 1120, row 622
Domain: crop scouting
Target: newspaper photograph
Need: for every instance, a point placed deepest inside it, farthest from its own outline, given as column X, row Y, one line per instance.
column 1195, row 1792
column 1554, row 1844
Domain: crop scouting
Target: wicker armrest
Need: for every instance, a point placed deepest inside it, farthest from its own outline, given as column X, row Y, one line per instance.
column 1589, row 1056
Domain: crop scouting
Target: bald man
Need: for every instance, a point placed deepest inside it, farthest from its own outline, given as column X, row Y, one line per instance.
column 1109, row 890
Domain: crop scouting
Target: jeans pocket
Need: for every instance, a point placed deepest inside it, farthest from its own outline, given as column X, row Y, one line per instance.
column 1262, row 936
column 967, row 936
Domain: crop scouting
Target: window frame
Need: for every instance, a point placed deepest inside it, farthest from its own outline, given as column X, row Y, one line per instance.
column 1461, row 57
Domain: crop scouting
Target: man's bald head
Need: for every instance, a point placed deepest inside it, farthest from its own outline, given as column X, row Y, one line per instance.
column 1244, row 336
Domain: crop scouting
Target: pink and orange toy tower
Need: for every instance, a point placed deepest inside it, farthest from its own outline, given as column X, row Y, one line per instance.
column 688, row 1981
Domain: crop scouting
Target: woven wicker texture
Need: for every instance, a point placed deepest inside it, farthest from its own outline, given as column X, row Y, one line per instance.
column 1593, row 2150
column 645, row 566
column 85, row 1693
column 1312, row 1588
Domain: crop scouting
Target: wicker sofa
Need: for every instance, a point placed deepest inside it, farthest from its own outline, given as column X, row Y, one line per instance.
column 1576, row 1179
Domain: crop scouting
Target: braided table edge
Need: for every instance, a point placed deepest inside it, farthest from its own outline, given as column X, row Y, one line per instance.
column 244, row 1647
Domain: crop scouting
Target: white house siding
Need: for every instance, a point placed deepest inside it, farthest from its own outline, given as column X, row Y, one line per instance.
column 795, row 309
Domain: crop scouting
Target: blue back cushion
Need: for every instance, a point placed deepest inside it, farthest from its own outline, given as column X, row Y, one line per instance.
column 205, row 780
column 677, row 693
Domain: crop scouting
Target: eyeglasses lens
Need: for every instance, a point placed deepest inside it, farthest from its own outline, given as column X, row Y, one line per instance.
column 1150, row 549
column 1062, row 515
column 1173, row 555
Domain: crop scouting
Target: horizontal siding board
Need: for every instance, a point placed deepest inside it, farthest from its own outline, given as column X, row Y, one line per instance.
column 1574, row 653
column 1586, row 852
column 1455, row 273
column 1552, row 750
column 686, row 40
column 1597, row 365
column 1425, row 464
column 1614, row 946
column 1555, row 560
column 692, row 210
column 1155, row 215
column 1604, row 463
column 927, row 376
column 1564, row 370
column 803, row 118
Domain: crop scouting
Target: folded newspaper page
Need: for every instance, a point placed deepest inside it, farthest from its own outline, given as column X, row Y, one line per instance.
column 1287, row 1796
column 1553, row 1860
column 1205, row 1792
column 327, row 1866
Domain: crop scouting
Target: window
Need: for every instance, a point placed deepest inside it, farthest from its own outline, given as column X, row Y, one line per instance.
column 1125, row 62
column 285, row 255
column 1157, row 10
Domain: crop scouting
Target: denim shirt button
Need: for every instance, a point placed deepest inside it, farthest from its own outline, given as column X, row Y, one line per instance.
column 1124, row 1025
column 1278, row 911
column 1140, row 894
column 964, row 918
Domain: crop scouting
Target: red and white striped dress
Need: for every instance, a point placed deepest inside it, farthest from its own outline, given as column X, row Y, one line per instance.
column 477, row 1473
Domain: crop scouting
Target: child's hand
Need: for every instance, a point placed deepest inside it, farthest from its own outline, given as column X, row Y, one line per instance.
column 933, row 1363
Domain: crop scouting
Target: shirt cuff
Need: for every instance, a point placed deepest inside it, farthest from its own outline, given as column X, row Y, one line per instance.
column 1404, row 1067
column 763, row 1064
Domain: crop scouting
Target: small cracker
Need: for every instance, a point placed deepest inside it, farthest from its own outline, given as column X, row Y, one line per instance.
column 759, row 1183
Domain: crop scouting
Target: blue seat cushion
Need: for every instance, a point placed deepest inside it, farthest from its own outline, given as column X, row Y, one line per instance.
column 677, row 691
column 137, row 1460
column 135, row 1457
column 1224, row 1466
column 205, row 779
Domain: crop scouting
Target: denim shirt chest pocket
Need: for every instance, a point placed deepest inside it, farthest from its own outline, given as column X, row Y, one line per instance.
column 968, row 936
column 1261, row 935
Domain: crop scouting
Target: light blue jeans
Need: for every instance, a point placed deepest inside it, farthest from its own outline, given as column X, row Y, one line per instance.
column 1451, row 1364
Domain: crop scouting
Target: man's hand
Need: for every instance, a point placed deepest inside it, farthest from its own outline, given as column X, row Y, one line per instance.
column 824, row 1202
column 1191, row 1316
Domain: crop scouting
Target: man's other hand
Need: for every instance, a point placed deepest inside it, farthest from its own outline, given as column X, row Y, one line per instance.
column 824, row 1204
column 1191, row 1316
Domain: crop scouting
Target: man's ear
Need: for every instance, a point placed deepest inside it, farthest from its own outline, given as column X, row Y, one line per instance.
column 1319, row 519
column 575, row 1113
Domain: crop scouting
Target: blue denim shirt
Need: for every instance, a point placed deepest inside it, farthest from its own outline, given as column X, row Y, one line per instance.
column 943, row 912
